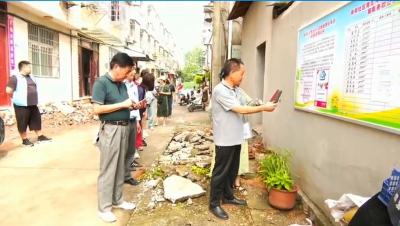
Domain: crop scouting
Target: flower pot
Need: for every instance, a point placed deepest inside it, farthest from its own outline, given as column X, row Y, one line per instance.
column 282, row 199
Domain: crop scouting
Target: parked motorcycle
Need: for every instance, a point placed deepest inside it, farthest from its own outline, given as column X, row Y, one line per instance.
column 196, row 104
column 184, row 100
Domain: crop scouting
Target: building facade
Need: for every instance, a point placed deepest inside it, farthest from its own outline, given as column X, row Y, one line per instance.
column 71, row 43
column 330, row 156
column 207, row 36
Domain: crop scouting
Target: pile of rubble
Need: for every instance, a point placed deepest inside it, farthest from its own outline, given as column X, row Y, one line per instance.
column 8, row 117
column 189, row 147
column 68, row 113
column 186, row 150
column 60, row 113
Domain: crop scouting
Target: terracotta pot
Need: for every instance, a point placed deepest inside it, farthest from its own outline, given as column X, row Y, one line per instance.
column 282, row 199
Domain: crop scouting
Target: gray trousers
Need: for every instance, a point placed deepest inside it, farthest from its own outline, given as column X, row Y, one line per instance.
column 131, row 149
column 113, row 143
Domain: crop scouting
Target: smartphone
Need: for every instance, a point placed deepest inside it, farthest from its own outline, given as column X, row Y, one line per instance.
column 277, row 95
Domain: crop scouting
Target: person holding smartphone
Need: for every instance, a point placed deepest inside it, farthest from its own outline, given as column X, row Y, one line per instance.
column 112, row 104
column 134, row 128
column 229, row 134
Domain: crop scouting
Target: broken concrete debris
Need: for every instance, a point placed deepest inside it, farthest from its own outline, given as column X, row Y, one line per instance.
column 60, row 113
column 188, row 147
column 152, row 183
column 177, row 188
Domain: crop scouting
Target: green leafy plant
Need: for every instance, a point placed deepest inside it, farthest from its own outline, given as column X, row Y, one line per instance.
column 274, row 169
column 205, row 172
column 198, row 79
column 154, row 173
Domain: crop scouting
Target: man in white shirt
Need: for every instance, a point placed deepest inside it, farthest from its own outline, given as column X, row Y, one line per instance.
column 134, row 128
column 228, row 131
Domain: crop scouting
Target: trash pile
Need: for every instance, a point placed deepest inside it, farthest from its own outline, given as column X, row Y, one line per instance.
column 343, row 210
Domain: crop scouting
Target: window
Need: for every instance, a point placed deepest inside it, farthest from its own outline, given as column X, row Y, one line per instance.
column 43, row 51
column 115, row 11
column 132, row 28
column 112, row 53
column 141, row 39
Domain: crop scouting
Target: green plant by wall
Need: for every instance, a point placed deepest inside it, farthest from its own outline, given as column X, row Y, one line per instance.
column 275, row 171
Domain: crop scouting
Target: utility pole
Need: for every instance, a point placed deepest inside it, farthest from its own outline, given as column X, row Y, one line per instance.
column 220, row 39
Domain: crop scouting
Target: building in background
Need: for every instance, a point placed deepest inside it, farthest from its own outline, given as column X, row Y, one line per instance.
column 207, row 36
column 70, row 44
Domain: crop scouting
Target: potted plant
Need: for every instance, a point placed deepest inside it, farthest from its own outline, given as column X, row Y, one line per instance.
column 282, row 192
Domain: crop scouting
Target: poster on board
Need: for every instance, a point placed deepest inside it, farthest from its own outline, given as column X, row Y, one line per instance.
column 348, row 64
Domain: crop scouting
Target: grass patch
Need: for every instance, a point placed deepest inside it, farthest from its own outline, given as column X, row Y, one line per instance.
column 205, row 172
column 154, row 173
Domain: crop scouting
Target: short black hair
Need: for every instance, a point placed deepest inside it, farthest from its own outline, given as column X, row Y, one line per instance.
column 21, row 64
column 148, row 80
column 122, row 60
column 229, row 66
column 143, row 72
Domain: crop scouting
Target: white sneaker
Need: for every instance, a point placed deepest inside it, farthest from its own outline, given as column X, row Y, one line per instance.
column 136, row 155
column 126, row 206
column 108, row 217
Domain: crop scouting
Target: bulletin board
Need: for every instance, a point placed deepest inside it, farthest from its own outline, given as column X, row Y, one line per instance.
column 348, row 65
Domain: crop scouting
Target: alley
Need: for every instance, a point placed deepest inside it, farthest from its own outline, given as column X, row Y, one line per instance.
column 55, row 183
column 302, row 96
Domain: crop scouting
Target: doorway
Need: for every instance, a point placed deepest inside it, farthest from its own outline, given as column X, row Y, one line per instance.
column 88, row 70
column 86, row 58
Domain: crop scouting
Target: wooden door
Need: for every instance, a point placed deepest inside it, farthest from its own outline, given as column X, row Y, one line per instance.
column 94, row 69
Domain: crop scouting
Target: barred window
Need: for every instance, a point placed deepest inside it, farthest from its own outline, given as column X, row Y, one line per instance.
column 115, row 11
column 132, row 28
column 43, row 51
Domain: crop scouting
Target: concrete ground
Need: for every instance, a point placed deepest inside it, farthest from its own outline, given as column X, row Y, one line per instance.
column 55, row 183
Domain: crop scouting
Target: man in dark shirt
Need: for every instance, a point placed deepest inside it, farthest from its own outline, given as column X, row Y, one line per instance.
column 23, row 90
column 112, row 104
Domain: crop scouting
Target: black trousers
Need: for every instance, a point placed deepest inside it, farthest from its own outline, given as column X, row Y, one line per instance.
column 227, row 159
column 129, row 157
column 28, row 116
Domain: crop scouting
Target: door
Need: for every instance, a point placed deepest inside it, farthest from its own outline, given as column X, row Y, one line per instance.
column 85, row 71
column 94, row 68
